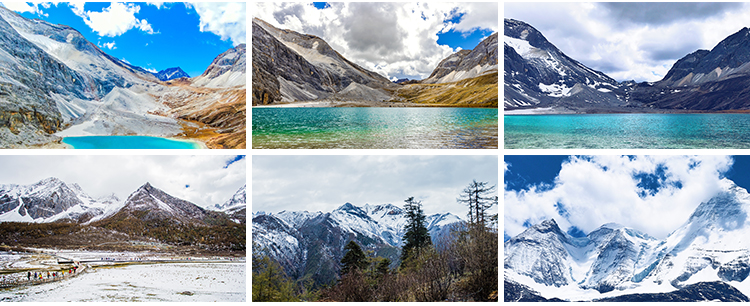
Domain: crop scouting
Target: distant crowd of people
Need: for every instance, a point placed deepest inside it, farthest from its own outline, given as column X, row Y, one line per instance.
column 50, row 275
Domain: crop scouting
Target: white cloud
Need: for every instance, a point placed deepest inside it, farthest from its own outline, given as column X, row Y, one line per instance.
column 602, row 189
column 21, row 7
column 109, row 45
column 642, row 48
column 228, row 20
column 391, row 38
column 114, row 20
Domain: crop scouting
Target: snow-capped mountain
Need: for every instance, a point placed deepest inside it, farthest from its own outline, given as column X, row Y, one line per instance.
column 171, row 74
column 313, row 242
column 48, row 200
column 537, row 74
column 236, row 206
column 712, row 246
column 467, row 64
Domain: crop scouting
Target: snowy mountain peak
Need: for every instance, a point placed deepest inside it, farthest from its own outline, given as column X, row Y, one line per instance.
column 349, row 208
column 171, row 74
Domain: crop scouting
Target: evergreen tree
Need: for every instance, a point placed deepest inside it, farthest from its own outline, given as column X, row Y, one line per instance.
column 477, row 196
column 270, row 284
column 354, row 258
column 416, row 236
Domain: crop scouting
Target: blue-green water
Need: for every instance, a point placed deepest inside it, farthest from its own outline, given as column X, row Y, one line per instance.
column 628, row 131
column 374, row 128
column 127, row 142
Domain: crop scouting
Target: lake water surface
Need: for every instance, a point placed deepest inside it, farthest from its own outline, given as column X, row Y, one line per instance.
column 128, row 142
column 183, row 282
column 628, row 131
column 375, row 128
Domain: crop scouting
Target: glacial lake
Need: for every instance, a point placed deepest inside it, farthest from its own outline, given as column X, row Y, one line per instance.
column 184, row 282
column 375, row 128
column 627, row 131
column 127, row 142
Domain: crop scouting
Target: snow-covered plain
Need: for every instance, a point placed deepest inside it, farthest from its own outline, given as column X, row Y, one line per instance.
column 177, row 282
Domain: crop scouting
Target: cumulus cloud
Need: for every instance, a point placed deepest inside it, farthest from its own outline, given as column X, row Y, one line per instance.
column 109, row 45
column 654, row 194
column 114, row 20
column 393, row 39
column 632, row 41
column 22, row 7
column 228, row 20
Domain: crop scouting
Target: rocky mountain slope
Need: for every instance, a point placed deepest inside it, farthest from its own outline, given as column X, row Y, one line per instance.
column 467, row 64
column 714, row 80
column 311, row 244
column 465, row 78
column 55, row 83
column 289, row 66
column 710, row 247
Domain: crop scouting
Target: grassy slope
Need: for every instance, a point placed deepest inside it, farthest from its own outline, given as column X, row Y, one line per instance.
column 481, row 91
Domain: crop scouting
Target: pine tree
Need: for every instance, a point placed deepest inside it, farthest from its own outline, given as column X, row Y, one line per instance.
column 354, row 258
column 477, row 196
column 416, row 236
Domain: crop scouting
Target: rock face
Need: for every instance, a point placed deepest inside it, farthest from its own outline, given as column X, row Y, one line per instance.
column 171, row 74
column 537, row 74
column 289, row 66
column 700, row 292
column 227, row 70
column 467, row 64
column 711, row 246
column 312, row 244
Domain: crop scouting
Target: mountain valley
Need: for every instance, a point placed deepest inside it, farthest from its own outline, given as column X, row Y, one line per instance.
column 67, row 86
column 289, row 67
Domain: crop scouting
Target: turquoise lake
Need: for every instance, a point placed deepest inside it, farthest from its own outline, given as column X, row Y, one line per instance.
column 375, row 128
column 627, row 131
column 128, row 142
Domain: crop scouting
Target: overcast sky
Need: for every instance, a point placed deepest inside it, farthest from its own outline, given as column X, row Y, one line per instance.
column 203, row 180
column 634, row 40
column 653, row 194
column 395, row 39
column 323, row 183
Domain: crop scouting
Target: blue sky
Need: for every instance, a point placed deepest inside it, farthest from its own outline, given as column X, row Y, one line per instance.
column 653, row 194
column 154, row 37
column 395, row 39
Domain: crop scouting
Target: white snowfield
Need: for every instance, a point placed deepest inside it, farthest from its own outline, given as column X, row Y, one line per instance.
column 178, row 282
column 713, row 245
